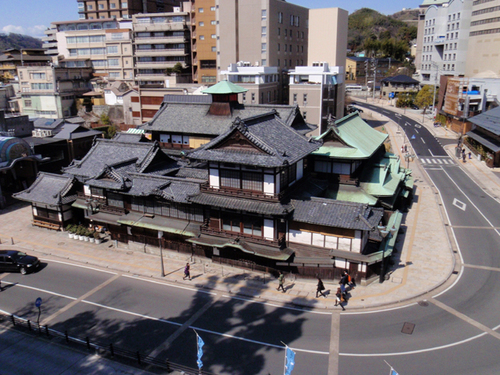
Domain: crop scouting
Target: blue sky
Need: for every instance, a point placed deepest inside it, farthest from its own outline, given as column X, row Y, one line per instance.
column 32, row 17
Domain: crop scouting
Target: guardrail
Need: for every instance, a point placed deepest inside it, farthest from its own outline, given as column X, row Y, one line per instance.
column 108, row 350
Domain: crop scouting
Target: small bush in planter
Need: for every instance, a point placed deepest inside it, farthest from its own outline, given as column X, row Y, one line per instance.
column 97, row 236
column 70, row 228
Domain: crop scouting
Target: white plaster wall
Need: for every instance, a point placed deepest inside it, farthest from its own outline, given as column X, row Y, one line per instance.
column 331, row 242
column 35, row 212
column 356, row 242
column 269, row 229
column 300, row 169
column 300, row 237
column 269, row 184
column 86, row 189
column 318, row 239
column 340, row 263
column 345, row 244
column 214, row 178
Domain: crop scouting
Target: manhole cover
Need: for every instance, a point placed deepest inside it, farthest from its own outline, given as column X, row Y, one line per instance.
column 408, row 328
column 61, row 243
column 423, row 303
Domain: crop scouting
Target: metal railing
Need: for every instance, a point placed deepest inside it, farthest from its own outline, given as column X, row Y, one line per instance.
column 104, row 350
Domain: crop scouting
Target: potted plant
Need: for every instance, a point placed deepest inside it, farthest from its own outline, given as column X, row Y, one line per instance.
column 70, row 230
column 81, row 232
column 97, row 238
column 86, row 234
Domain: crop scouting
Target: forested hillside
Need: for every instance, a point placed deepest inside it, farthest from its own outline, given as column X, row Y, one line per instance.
column 18, row 41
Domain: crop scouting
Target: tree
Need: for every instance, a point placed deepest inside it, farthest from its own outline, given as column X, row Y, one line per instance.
column 105, row 119
column 425, row 97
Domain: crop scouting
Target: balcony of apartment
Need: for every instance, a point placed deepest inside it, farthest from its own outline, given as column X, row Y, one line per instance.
column 165, row 26
column 150, row 76
column 159, row 39
column 160, row 52
column 156, row 64
column 49, row 45
column 51, row 38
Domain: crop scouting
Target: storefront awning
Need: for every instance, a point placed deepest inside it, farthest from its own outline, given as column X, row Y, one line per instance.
column 80, row 203
column 160, row 223
column 485, row 141
column 104, row 217
column 263, row 251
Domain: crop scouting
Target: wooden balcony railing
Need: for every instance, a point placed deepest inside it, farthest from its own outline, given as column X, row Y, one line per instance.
column 241, row 193
column 280, row 243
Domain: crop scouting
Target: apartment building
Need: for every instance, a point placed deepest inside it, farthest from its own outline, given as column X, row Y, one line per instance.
column 102, row 9
column 104, row 43
column 318, row 90
column 445, row 41
column 50, row 91
column 263, row 32
column 484, row 39
column 203, row 40
column 161, row 40
column 11, row 58
column 262, row 83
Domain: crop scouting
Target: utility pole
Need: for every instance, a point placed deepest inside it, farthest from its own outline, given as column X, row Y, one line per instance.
column 374, row 67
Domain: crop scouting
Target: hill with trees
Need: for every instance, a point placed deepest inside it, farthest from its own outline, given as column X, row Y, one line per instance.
column 380, row 35
column 18, row 41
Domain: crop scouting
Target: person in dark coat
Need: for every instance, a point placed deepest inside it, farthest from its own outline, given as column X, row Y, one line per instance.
column 339, row 298
column 320, row 288
column 187, row 272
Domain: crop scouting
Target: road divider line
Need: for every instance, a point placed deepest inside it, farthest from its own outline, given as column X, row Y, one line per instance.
column 78, row 300
column 465, row 318
column 39, row 290
column 168, row 283
column 494, row 269
column 77, row 265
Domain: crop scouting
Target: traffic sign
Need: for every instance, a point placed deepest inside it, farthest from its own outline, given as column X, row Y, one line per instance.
column 38, row 302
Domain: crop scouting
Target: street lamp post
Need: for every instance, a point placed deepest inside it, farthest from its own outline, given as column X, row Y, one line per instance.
column 435, row 84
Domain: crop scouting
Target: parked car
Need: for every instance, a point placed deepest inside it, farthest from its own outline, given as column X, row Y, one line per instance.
column 414, row 106
column 351, row 109
column 14, row 261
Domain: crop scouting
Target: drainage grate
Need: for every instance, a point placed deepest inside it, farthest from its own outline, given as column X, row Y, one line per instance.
column 455, row 272
column 423, row 303
column 408, row 328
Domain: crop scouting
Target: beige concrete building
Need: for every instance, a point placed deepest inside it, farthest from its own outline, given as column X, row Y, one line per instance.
column 262, row 83
column 328, row 36
column 101, row 9
column 161, row 41
column 104, row 43
column 50, row 91
column 262, row 32
column 318, row 90
column 203, row 40
column 483, row 53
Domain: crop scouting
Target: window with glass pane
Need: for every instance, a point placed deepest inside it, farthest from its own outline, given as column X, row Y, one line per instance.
column 231, row 223
column 229, row 178
column 252, row 181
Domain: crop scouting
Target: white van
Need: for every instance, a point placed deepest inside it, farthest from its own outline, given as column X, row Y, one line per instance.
column 353, row 87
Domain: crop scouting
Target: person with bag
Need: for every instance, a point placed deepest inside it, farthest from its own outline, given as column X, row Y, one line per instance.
column 320, row 288
column 339, row 298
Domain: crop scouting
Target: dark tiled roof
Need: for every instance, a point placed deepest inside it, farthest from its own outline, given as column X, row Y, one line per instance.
column 169, row 98
column 489, row 120
column 193, row 118
column 50, row 189
column 401, row 79
column 128, row 137
column 279, row 144
column 169, row 188
column 336, row 214
column 74, row 131
column 123, row 157
column 201, row 174
column 248, row 205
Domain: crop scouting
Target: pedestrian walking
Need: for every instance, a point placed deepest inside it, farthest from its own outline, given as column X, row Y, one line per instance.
column 406, row 148
column 320, row 288
column 350, row 281
column 339, row 298
column 344, row 279
column 402, row 148
column 470, row 155
column 463, row 157
column 187, row 272
column 281, row 282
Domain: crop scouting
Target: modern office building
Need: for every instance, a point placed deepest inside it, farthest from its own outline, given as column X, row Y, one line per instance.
column 262, row 32
column 102, row 9
column 484, row 40
column 445, row 41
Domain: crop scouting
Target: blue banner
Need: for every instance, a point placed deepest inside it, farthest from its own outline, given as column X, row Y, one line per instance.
column 290, row 361
column 200, row 352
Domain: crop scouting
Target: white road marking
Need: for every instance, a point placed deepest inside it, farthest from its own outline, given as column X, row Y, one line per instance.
column 39, row 290
column 78, row 265
column 459, row 204
column 423, row 161
column 416, row 131
column 422, row 140
column 171, row 285
column 430, row 152
column 438, row 161
column 279, row 306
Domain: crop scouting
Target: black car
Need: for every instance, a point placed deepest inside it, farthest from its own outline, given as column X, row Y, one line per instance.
column 351, row 109
column 13, row 261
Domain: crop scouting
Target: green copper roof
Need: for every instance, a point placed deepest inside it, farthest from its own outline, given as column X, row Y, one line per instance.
column 350, row 138
column 384, row 177
column 349, row 193
column 224, row 87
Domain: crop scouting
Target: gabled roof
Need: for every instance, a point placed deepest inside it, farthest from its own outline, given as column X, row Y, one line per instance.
column 489, row 120
column 336, row 214
column 194, row 118
column 50, row 189
column 272, row 144
column 129, row 137
column 74, row 131
column 123, row 157
column 383, row 178
column 241, row 204
column 350, row 138
column 224, row 87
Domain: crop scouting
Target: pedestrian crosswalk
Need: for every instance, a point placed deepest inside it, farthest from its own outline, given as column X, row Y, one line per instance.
column 437, row 161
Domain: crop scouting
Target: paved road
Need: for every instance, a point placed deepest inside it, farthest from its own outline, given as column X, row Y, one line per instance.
column 456, row 331
column 159, row 319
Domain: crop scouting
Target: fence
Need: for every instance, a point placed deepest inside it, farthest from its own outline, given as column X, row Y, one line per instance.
column 104, row 350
